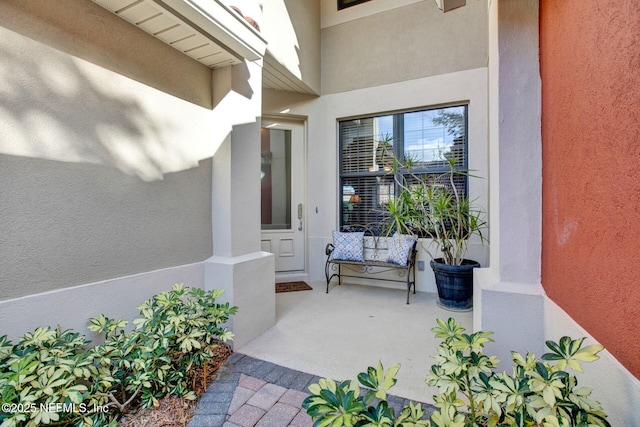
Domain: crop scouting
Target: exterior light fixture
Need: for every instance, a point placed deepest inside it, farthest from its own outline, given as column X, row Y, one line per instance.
column 447, row 5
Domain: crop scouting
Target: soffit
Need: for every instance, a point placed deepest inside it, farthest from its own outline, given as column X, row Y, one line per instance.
column 276, row 76
column 206, row 30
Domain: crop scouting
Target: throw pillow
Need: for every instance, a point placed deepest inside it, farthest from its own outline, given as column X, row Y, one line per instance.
column 399, row 248
column 348, row 246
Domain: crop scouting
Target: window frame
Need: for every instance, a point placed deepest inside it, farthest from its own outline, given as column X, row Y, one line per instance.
column 398, row 149
column 343, row 4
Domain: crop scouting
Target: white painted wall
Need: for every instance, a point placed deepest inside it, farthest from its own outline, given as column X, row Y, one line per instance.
column 515, row 159
column 105, row 161
column 70, row 308
column 292, row 30
column 323, row 115
column 405, row 43
column 508, row 296
column 613, row 385
column 124, row 167
column 449, row 88
column 332, row 16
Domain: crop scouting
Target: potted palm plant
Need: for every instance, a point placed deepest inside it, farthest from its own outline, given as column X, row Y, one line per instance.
column 434, row 208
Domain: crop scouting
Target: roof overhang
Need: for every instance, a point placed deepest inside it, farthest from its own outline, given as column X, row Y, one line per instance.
column 206, row 30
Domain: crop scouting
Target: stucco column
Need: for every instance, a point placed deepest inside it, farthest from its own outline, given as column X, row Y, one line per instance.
column 508, row 296
column 238, row 265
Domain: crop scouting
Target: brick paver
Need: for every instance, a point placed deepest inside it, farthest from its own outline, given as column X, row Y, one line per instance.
column 280, row 415
column 293, row 398
column 240, row 398
column 254, row 393
column 267, row 396
column 247, row 416
column 251, row 383
column 302, row 420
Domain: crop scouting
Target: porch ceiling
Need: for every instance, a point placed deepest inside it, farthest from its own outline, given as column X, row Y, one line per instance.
column 206, row 30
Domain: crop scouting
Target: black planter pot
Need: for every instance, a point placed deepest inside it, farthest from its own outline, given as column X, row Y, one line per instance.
column 455, row 284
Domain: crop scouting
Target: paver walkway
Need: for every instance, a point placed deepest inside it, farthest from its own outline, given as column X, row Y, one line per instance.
column 250, row 392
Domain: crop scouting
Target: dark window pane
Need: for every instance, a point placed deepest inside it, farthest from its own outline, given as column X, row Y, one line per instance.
column 342, row 4
column 362, row 198
column 362, row 143
column 367, row 146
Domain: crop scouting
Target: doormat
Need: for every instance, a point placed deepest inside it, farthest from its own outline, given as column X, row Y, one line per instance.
column 292, row 287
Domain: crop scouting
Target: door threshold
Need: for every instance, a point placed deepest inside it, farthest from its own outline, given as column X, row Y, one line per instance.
column 291, row 276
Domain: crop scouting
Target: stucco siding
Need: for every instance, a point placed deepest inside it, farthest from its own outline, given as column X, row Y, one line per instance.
column 292, row 29
column 323, row 115
column 401, row 44
column 105, row 149
column 590, row 128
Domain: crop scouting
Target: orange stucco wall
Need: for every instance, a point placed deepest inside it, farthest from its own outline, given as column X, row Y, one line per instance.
column 590, row 68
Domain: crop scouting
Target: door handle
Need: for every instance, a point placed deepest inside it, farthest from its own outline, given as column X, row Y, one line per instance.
column 300, row 216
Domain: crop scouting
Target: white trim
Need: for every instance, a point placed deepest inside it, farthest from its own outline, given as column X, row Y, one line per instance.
column 205, row 30
column 332, row 16
column 220, row 23
column 72, row 307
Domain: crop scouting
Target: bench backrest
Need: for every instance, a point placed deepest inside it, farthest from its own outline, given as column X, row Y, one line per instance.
column 376, row 246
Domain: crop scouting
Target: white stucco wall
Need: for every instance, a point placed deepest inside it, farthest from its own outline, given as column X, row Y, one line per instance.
column 292, row 30
column 112, row 180
column 323, row 115
column 515, row 158
column 332, row 16
column 448, row 88
column 408, row 41
column 613, row 385
column 70, row 308
column 508, row 296
column 104, row 173
column 383, row 56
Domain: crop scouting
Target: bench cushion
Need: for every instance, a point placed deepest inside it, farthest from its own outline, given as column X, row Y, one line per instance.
column 348, row 246
column 400, row 247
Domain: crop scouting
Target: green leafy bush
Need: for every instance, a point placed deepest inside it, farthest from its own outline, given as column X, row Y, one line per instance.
column 344, row 404
column 433, row 207
column 178, row 331
column 46, row 379
column 470, row 392
column 53, row 378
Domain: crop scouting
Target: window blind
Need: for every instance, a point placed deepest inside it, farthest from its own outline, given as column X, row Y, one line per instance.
column 367, row 148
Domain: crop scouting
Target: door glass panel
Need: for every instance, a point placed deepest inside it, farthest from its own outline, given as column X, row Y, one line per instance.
column 275, row 176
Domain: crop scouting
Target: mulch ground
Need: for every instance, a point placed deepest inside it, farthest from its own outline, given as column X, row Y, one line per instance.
column 175, row 411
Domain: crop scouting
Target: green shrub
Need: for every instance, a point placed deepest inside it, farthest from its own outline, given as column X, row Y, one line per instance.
column 470, row 392
column 178, row 331
column 53, row 378
column 344, row 404
column 46, row 379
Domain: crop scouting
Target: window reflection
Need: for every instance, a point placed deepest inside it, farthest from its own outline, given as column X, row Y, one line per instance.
column 275, row 179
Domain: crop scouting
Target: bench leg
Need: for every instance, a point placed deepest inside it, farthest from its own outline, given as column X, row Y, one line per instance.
column 411, row 280
column 326, row 273
column 329, row 276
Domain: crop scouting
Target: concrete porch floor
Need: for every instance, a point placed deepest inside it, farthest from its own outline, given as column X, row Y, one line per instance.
column 339, row 334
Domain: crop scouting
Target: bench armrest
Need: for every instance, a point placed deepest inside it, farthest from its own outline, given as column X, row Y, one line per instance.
column 328, row 249
column 412, row 256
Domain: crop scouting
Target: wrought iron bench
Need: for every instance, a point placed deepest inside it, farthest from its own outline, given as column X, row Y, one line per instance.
column 375, row 250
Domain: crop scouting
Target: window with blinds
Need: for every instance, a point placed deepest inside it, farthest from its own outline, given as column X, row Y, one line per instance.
column 368, row 146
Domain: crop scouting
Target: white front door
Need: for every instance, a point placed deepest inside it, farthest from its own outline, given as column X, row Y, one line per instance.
column 283, row 182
